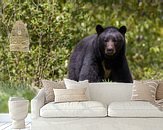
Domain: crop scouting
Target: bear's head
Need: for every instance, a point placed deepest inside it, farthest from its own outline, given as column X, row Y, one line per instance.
column 111, row 40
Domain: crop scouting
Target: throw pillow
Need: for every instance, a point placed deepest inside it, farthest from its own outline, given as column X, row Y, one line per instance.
column 159, row 93
column 144, row 91
column 71, row 84
column 70, row 95
column 48, row 88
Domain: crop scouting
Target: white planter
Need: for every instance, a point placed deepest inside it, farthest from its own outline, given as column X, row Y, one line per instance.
column 18, row 110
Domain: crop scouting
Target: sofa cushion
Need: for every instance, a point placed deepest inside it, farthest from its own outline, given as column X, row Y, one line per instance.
column 144, row 90
column 70, row 95
column 159, row 93
column 74, row 109
column 133, row 109
column 71, row 84
column 48, row 88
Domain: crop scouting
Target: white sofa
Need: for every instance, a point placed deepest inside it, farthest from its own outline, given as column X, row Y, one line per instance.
column 116, row 111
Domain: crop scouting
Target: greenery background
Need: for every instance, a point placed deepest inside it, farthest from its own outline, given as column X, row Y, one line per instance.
column 55, row 27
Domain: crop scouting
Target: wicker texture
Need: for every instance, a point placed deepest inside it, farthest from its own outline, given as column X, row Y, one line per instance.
column 19, row 38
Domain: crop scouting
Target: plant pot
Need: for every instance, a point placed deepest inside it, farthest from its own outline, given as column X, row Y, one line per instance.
column 18, row 110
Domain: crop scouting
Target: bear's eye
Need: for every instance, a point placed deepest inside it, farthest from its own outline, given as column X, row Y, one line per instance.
column 116, row 43
column 114, row 40
column 105, row 40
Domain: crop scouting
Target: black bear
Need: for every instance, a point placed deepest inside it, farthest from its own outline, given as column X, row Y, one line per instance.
column 101, row 57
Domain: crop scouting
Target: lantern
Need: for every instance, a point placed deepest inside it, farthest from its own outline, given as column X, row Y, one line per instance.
column 19, row 38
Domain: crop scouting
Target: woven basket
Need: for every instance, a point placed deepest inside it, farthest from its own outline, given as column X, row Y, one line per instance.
column 19, row 38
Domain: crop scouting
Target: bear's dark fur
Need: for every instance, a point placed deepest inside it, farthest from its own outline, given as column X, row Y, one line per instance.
column 101, row 57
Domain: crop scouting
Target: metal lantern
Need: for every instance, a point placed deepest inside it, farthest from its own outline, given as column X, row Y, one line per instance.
column 19, row 38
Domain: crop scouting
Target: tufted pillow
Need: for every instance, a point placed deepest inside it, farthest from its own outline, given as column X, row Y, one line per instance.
column 144, row 90
column 48, row 88
column 159, row 93
column 70, row 95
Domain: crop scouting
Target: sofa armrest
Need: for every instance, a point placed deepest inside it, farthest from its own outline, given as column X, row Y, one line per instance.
column 36, row 103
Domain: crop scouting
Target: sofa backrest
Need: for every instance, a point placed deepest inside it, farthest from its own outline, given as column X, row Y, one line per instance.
column 107, row 92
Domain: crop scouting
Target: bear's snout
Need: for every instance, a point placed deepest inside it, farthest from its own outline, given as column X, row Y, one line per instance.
column 110, row 48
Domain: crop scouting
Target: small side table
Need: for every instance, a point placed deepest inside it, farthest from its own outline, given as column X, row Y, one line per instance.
column 18, row 110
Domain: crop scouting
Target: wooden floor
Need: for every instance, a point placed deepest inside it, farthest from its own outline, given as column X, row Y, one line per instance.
column 5, row 122
column 8, row 126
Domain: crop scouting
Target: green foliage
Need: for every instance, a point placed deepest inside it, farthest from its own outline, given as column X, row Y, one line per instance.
column 56, row 26
column 9, row 89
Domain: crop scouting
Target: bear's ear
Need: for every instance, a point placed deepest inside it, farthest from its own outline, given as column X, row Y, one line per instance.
column 123, row 29
column 99, row 29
